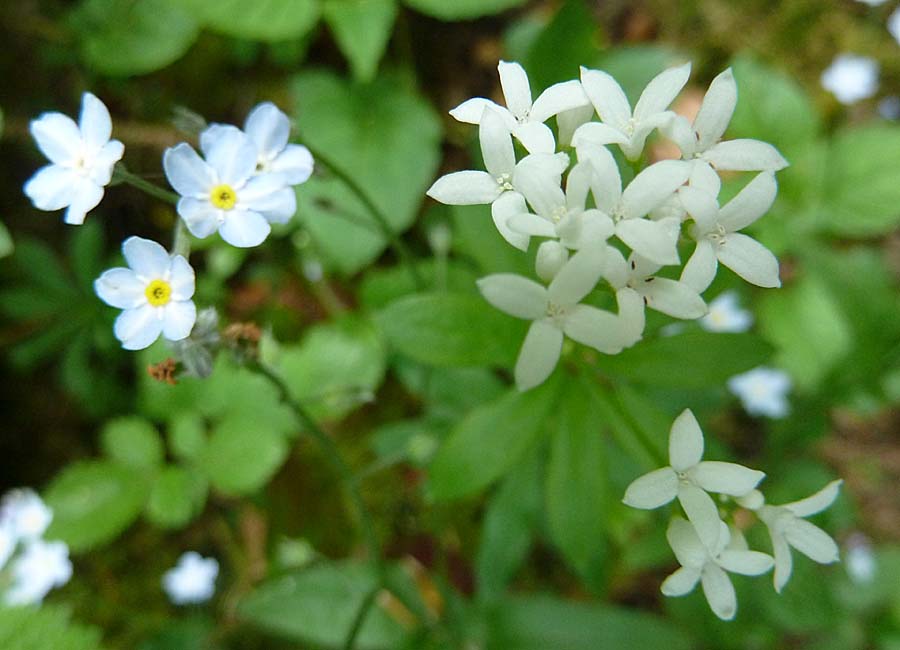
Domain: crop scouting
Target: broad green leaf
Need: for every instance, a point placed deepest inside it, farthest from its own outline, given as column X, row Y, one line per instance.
column 690, row 360
column 133, row 442
column 451, row 329
column 134, row 37
column 462, row 9
column 242, row 454
column 177, row 495
column 570, row 40
column 262, row 20
column 187, row 435
column 318, row 605
column 362, row 29
column 634, row 66
column 489, row 441
column 382, row 285
column 44, row 628
column 93, row 502
column 387, row 138
column 476, row 238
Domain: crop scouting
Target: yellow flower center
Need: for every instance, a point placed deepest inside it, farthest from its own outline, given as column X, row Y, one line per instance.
column 158, row 293
column 223, row 197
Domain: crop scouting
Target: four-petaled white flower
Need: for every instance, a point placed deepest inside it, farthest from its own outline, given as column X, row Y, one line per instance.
column 154, row 292
column 25, row 515
column 671, row 297
column 555, row 310
column 787, row 528
column 689, row 479
column 224, row 192
column 42, row 566
column 708, row 565
column 725, row 314
column 522, row 117
column 192, row 580
column 762, row 391
column 619, row 124
column 82, row 158
column 270, row 130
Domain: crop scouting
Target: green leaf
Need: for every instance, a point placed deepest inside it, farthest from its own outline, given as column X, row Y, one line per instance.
column 261, row 20
column 318, row 606
column 451, row 329
column 382, row 285
column 93, row 502
column 177, row 495
column 387, row 138
column 133, row 442
column 362, row 29
column 33, row 628
column 187, row 435
column 690, row 360
column 462, row 9
column 475, row 237
column 135, row 37
column 862, row 194
column 569, row 41
column 6, row 242
column 242, row 454
column 489, row 441
column 634, row 66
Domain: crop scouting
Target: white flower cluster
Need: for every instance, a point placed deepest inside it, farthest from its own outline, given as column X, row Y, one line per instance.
column 192, row 580
column 32, row 565
column 576, row 224
column 706, row 547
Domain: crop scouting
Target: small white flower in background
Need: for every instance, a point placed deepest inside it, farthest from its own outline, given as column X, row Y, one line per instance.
column 689, row 479
column 82, row 158
column 619, row 124
column 522, row 117
column 872, row 3
column 851, row 78
column 25, row 514
column 224, row 192
column 662, row 294
column 42, row 566
column 859, row 559
column 787, row 529
column 725, row 315
column 193, row 580
column 762, row 391
column 8, row 543
column 708, row 565
column 893, row 24
column 270, row 130
column 154, row 292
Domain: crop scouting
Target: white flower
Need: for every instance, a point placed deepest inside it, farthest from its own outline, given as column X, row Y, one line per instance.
column 41, row 567
column 671, row 297
column 522, row 117
column 700, row 563
column 689, row 479
column 154, row 292
column 859, row 559
column 893, row 24
column 725, row 315
column 555, row 310
column 762, row 391
column 851, row 78
column 718, row 240
column 82, row 158
column 787, row 528
column 223, row 192
column 8, row 541
column 270, row 129
column 25, row 514
column 193, row 580
column 619, row 124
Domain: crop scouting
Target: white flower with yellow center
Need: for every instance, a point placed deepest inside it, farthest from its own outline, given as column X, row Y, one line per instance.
column 270, row 130
column 154, row 292
column 725, row 315
column 762, row 391
column 193, row 580
column 41, row 567
column 82, row 158
column 224, row 192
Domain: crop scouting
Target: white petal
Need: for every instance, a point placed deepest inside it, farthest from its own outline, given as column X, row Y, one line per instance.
column 653, row 186
column 496, row 144
column 569, row 121
column 655, row 240
column 539, row 354
column 138, row 328
column 550, row 258
column 101, row 168
column 269, row 129
column 295, row 164
column 84, row 196
column 558, row 98
column 607, row 97
column 597, row 134
column 590, row 229
column 783, row 561
column 178, row 319
column 181, row 278
column 540, row 186
column 535, row 137
column 516, row 89
column 233, row 155
column 578, row 277
column 700, row 270
column 471, row 110
column 58, row 138
column 681, row 132
column 267, row 195
column 631, row 315
column 685, row 442
column 745, row 156
column 244, row 228
column 702, row 512
column 704, row 177
column 149, row 260
column 595, row 328
column 816, row 502
column 507, row 205
column 211, row 134
column 701, row 206
column 514, row 294
column 726, row 478
column 716, row 110
column 747, row 563
column 719, row 592
column 187, row 172
column 50, row 187
column 94, row 123
column 661, row 91
column 120, row 288
column 674, row 298
column 199, row 215
column 465, row 188
column 750, row 204
column 812, row 541
column 530, row 224
column 578, row 184
column 652, row 490
column 688, row 548
column 750, row 260
column 681, row 582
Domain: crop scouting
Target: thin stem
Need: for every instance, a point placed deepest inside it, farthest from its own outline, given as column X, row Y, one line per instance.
column 360, row 618
column 122, row 174
column 181, row 241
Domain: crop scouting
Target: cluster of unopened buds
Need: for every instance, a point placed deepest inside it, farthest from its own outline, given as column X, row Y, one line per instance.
column 595, row 234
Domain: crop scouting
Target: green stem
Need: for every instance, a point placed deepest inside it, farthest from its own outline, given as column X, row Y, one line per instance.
column 360, row 618
column 181, row 241
column 122, row 174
